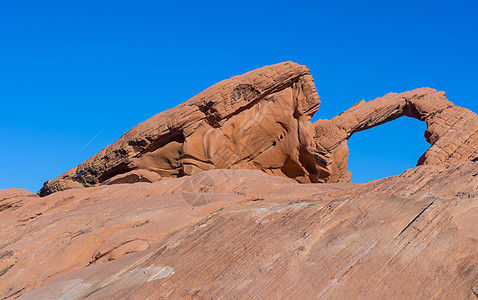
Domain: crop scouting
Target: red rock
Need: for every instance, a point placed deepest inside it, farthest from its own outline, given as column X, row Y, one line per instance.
column 14, row 193
column 452, row 131
column 259, row 120
column 230, row 229
column 134, row 176
column 249, row 235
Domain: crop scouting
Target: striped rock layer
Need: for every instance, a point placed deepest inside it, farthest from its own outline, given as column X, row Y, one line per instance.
column 262, row 120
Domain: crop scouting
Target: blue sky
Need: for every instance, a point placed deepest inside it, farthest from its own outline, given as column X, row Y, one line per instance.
column 74, row 70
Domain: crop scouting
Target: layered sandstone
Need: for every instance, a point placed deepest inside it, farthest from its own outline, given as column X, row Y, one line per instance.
column 184, row 205
column 261, row 120
column 452, row 131
column 244, row 234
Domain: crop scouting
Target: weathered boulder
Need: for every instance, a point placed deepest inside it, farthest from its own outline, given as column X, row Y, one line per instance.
column 64, row 182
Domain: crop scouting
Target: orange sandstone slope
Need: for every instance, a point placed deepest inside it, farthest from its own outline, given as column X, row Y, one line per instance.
column 184, row 206
column 245, row 234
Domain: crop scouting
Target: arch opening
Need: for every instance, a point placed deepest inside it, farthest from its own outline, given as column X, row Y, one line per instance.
column 386, row 150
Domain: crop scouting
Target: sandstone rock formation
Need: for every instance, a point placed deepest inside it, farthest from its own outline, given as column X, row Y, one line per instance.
column 451, row 130
column 261, row 120
column 134, row 176
column 144, row 230
column 13, row 197
column 244, row 234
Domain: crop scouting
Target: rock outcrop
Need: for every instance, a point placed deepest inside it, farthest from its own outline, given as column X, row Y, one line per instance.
column 184, row 205
column 452, row 131
column 244, row 234
column 261, row 120
column 12, row 198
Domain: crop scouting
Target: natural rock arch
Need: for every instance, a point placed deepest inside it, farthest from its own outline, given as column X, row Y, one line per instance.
column 261, row 120
column 452, row 131
column 386, row 150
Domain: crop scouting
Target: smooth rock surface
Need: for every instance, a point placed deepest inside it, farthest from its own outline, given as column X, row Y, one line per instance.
column 245, row 234
column 133, row 177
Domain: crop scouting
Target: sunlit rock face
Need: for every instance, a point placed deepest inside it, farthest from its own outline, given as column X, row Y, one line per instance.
column 208, row 200
column 452, row 131
column 261, row 120
column 244, row 234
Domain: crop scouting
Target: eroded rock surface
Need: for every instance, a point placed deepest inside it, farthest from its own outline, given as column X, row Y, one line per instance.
column 134, row 176
column 261, row 120
column 144, row 230
column 244, row 234
column 11, row 198
column 452, row 131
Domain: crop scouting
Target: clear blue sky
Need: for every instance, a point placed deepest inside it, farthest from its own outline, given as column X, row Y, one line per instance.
column 73, row 70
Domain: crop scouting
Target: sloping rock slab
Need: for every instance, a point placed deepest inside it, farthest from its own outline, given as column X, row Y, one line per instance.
column 408, row 236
